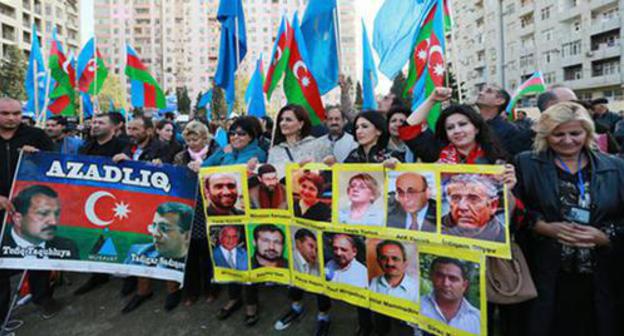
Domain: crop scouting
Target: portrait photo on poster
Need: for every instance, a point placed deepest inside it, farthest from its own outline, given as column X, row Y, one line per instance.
column 224, row 194
column 473, row 206
column 450, row 292
column 393, row 268
column 305, row 250
column 229, row 246
column 170, row 229
column 312, row 194
column 360, row 198
column 344, row 257
column 268, row 245
column 266, row 189
column 32, row 229
column 412, row 201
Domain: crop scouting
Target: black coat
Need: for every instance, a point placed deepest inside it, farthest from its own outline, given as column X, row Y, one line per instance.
column 154, row 150
column 59, row 243
column 538, row 188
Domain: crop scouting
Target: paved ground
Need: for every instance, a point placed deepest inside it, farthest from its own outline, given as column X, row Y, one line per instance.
column 98, row 313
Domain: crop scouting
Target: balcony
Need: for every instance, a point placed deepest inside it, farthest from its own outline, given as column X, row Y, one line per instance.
column 599, row 26
column 569, row 60
column 595, row 4
column 605, row 51
column 527, row 29
column 594, row 82
column 569, row 13
column 526, row 9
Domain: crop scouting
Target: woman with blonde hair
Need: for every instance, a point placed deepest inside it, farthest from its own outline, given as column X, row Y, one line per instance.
column 362, row 191
column 574, row 196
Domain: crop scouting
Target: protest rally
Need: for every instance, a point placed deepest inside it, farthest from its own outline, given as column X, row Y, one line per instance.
column 246, row 167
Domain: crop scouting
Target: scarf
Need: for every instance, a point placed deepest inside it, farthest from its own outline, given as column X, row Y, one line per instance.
column 450, row 154
column 271, row 199
column 198, row 156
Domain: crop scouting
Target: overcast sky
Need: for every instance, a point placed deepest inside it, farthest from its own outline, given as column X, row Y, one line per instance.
column 366, row 9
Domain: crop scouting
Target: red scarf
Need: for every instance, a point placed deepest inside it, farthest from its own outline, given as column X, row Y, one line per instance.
column 450, row 154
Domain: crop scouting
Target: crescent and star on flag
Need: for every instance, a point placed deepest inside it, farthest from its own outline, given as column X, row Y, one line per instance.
column 120, row 211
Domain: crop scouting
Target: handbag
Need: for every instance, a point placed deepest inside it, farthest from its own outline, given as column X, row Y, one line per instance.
column 509, row 281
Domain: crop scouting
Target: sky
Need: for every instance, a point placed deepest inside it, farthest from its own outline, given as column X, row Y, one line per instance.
column 366, row 9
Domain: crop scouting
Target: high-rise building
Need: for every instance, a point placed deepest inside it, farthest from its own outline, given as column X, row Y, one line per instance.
column 179, row 40
column 572, row 42
column 18, row 16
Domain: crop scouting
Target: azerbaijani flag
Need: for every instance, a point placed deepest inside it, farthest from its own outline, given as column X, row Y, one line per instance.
column 63, row 72
column 427, row 64
column 279, row 58
column 92, row 71
column 535, row 84
column 299, row 85
column 143, row 87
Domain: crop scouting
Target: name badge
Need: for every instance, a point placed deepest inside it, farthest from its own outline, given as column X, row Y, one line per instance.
column 577, row 215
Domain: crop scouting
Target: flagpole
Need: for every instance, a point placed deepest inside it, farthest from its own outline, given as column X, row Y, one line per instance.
column 46, row 100
column 238, row 58
column 95, row 64
column 36, row 83
column 337, row 34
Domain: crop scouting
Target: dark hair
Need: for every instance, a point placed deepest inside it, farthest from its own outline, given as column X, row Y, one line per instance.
column 484, row 137
column 301, row 114
column 343, row 114
column 315, row 178
column 184, row 212
column 350, row 239
column 506, row 98
column 147, row 122
column 267, row 228
column 545, row 99
column 385, row 243
column 265, row 169
column 247, row 124
column 268, row 123
column 396, row 110
column 302, row 234
column 116, row 118
column 59, row 120
column 22, row 200
column 446, row 261
column 379, row 121
column 162, row 123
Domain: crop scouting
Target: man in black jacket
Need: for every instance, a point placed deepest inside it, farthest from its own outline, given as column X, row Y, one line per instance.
column 14, row 136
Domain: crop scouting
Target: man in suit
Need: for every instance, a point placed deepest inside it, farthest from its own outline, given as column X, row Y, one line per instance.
column 222, row 190
column 170, row 230
column 35, row 220
column 227, row 253
column 412, row 210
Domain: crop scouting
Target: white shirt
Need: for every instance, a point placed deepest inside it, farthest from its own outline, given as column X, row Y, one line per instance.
column 23, row 243
column 229, row 255
column 420, row 218
column 407, row 289
column 301, row 265
column 341, row 147
column 468, row 318
column 355, row 274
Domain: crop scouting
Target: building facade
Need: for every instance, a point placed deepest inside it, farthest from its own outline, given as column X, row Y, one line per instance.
column 572, row 42
column 18, row 16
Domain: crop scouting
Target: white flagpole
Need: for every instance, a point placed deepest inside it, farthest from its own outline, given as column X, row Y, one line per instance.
column 36, row 83
column 337, row 34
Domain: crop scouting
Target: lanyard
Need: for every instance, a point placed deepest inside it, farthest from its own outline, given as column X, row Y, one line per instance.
column 580, row 183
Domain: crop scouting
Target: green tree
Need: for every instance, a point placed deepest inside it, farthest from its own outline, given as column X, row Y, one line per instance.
column 240, row 87
column 112, row 90
column 12, row 73
column 184, row 101
column 359, row 99
column 452, row 83
column 219, row 106
column 398, row 86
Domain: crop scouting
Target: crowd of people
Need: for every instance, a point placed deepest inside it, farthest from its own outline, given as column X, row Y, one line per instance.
column 564, row 173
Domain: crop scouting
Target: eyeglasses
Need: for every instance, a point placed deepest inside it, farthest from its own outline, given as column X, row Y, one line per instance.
column 240, row 134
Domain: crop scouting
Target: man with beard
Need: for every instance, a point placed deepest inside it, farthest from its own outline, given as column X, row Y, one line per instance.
column 269, row 242
column 222, row 190
column 143, row 144
column 473, row 201
column 269, row 193
column 344, row 268
column 56, row 128
column 16, row 137
column 394, row 281
column 446, row 303
column 341, row 142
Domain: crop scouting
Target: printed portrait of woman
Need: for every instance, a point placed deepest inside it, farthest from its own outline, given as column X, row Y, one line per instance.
column 363, row 204
column 309, row 199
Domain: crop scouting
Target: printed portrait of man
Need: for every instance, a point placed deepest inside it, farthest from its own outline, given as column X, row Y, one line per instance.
column 305, row 252
column 222, row 191
column 412, row 208
column 447, row 303
column 392, row 259
column 269, row 243
column 35, row 223
column 230, row 251
column 269, row 193
column 171, row 230
column 473, row 202
column 343, row 266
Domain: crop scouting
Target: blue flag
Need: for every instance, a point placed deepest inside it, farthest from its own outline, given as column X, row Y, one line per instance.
column 369, row 73
column 221, row 137
column 396, row 25
column 254, row 96
column 36, row 76
column 319, row 32
column 233, row 46
column 205, row 102
column 87, row 105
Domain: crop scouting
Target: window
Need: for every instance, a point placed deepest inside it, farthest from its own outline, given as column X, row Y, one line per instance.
column 546, row 13
column 550, row 77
